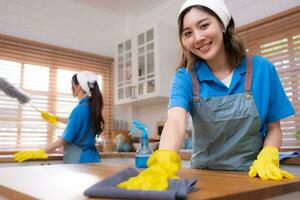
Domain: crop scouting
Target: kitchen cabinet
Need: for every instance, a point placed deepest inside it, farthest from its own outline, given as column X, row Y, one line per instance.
column 145, row 64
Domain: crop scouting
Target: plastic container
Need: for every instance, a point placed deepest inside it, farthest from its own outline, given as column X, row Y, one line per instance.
column 143, row 153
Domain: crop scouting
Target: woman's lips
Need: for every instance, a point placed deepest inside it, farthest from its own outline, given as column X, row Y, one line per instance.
column 205, row 47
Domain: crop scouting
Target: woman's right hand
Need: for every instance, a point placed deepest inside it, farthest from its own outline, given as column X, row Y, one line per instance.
column 52, row 119
column 163, row 164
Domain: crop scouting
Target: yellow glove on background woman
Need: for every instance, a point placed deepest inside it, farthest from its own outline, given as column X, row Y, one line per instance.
column 267, row 165
column 49, row 117
column 162, row 165
column 30, row 155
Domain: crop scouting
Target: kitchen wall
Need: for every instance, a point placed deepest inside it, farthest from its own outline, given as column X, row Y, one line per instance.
column 71, row 24
column 150, row 115
column 65, row 23
column 244, row 12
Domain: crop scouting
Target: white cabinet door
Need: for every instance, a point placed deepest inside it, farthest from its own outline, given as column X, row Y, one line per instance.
column 146, row 67
column 145, row 57
column 124, row 78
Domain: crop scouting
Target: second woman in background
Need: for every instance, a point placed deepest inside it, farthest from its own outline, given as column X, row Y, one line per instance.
column 84, row 124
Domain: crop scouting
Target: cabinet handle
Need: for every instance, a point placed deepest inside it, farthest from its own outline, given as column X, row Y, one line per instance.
column 134, row 94
column 131, row 92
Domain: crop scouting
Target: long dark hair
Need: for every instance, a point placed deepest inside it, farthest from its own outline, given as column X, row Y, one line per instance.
column 233, row 44
column 96, row 105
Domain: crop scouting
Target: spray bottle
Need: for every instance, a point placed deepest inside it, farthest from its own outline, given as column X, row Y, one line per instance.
column 144, row 152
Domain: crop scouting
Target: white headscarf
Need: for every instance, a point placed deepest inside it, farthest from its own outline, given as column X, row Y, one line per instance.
column 87, row 80
column 217, row 6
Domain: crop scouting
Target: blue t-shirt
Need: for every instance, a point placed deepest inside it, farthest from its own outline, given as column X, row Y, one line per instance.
column 271, row 101
column 79, row 123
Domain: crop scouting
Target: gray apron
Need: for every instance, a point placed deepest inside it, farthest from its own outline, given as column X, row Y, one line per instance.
column 72, row 152
column 226, row 135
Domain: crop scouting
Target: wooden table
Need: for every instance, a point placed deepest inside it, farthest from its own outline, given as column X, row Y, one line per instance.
column 69, row 182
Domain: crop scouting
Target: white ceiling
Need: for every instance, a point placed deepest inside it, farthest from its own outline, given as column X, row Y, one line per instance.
column 128, row 8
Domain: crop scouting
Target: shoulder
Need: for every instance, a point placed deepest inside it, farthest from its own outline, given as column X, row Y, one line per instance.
column 182, row 72
column 80, row 110
column 262, row 63
column 83, row 107
column 262, row 66
column 182, row 76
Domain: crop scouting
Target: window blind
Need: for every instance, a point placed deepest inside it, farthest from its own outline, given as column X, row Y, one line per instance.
column 44, row 72
column 278, row 39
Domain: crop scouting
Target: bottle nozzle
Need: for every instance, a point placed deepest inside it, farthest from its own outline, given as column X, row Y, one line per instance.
column 137, row 125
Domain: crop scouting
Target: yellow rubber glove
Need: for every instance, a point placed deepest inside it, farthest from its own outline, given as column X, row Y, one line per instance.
column 30, row 155
column 267, row 165
column 162, row 165
column 49, row 117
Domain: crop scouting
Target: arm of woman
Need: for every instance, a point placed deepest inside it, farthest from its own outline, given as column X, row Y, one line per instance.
column 62, row 120
column 164, row 163
column 267, row 164
column 56, row 144
column 174, row 129
column 274, row 136
column 53, row 119
column 38, row 154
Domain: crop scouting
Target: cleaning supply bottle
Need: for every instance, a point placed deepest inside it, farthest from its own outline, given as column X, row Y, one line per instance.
column 143, row 153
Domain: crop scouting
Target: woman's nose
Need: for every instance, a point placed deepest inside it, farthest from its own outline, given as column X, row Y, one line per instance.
column 198, row 36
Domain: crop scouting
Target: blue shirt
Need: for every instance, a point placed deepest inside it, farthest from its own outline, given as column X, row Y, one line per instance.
column 271, row 101
column 79, row 123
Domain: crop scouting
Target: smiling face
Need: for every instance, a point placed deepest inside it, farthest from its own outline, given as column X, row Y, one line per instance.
column 202, row 34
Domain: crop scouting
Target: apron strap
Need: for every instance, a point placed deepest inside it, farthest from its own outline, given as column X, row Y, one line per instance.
column 195, row 83
column 248, row 80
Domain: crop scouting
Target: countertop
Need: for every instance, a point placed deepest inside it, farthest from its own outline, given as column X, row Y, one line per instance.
column 184, row 154
column 59, row 156
column 69, row 182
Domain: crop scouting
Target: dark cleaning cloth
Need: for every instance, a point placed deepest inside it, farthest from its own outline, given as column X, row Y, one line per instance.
column 107, row 188
column 288, row 154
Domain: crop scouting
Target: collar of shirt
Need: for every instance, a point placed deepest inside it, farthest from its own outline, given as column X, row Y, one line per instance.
column 84, row 100
column 204, row 73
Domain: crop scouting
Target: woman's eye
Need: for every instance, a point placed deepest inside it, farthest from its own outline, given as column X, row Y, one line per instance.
column 204, row 26
column 187, row 34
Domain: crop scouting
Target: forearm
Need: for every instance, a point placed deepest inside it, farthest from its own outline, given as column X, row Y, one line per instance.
column 56, row 144
column 62, row 120
column 274, row 135
column 174, row 130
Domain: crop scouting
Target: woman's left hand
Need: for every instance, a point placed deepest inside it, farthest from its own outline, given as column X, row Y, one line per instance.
column 267, row 165
column 52, row 119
